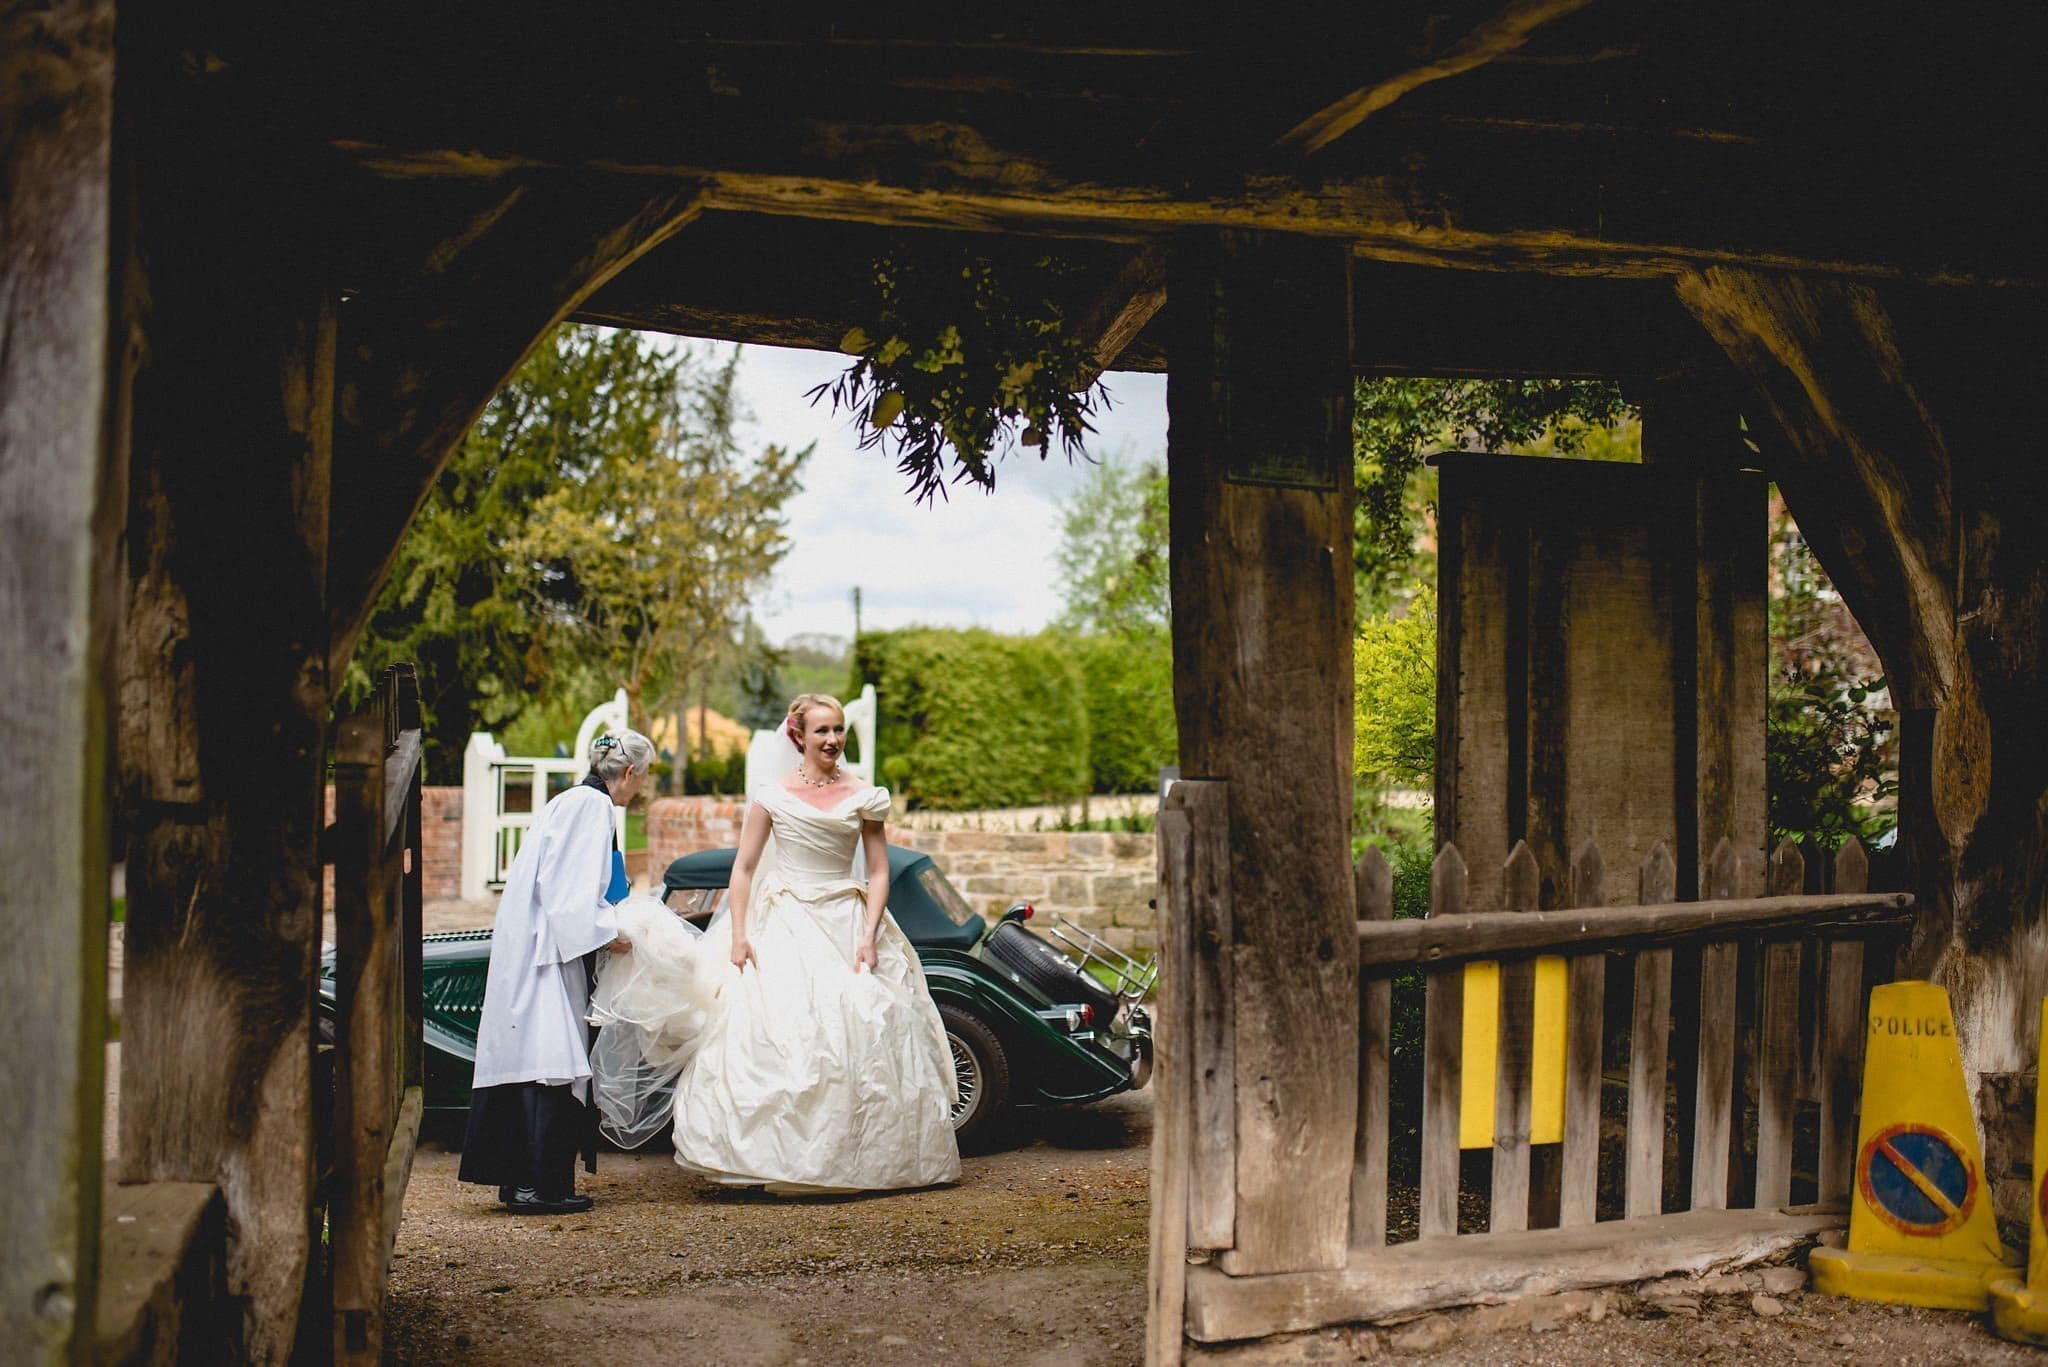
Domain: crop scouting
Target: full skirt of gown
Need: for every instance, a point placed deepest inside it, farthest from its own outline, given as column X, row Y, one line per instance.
column 798, row 1073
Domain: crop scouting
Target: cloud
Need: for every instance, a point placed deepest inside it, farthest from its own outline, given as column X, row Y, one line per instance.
column 972, row 560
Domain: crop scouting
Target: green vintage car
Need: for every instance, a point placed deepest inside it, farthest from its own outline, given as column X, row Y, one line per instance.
column 1029, row 1023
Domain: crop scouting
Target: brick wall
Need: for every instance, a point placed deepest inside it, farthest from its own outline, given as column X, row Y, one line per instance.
column 440, row 845
column 1100, row 881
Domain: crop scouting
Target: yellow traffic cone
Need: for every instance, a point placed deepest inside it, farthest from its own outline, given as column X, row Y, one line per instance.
column 2019, row 1310
column 1921, row 1231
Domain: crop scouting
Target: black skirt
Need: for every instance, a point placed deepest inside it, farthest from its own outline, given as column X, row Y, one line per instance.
column 526, row 1134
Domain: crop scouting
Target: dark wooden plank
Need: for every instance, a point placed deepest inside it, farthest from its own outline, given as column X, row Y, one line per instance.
column 1714, row 1104
column 60, row 487
column 1442, row 1048
column 367, row 1065
column 401, row 772
column 1585, row 1020
column 1173, row 1078
column 1375, row 899
column 1490, row 935
column 1842, row 1028
column 230, row 460
column 1515, row 1057
column 1410, row 1278
column 1260, row 464
column 1204, row 901
column 1649, row 1043
column 1778, row 1053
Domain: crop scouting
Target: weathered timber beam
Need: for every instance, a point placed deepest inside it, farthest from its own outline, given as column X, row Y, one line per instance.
column 1260, row 493
column 1895, row 421
column 1434, row 194
column 1116, row 316
column 1501, row 33
column 60, row 475
column 421, row 361
column 1388, row 946
column 1487, row 1269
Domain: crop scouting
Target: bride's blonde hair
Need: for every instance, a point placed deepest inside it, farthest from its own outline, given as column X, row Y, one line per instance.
column 793, row 724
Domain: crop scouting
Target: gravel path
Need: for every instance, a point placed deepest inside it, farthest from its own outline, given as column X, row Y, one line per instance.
column 1037, row 1255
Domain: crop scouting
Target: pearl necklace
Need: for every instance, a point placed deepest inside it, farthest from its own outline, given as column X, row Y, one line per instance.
column 825, row 782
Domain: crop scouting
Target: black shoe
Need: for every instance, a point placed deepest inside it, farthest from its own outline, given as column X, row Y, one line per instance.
column 527, row 1201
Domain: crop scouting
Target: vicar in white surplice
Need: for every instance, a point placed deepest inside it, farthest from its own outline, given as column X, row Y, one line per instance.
column 529, row 1110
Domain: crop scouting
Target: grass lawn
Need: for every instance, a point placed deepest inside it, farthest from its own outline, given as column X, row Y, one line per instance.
column 636, row 830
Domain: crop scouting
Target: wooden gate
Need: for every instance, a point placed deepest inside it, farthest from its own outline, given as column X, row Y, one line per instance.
column 1772, row 984
column 377, row 1051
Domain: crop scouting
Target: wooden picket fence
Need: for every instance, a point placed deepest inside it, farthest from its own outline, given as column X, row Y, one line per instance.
column 378, row 1057
column 1766, row 1007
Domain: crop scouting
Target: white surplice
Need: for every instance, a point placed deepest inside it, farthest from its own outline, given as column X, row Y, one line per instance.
column 552, row 913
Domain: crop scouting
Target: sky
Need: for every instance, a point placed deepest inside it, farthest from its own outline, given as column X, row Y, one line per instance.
column 974, row 560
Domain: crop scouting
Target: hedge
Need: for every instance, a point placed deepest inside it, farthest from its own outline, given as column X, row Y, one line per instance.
column 1129, row 681
column 972, row 719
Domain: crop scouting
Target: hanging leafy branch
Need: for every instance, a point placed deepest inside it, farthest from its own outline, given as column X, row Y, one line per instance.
column 967, row 355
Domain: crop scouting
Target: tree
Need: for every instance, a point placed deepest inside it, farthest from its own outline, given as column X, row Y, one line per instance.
column 1112, row 556
column 1397, row 421
column 1830, row 753
column 647, row 560
column 456, row 603
column 1395, row 702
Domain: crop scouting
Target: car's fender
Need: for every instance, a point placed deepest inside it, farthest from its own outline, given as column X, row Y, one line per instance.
column 1047, row 1064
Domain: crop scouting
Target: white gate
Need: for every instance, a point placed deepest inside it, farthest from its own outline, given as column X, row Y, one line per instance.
column 502, row 794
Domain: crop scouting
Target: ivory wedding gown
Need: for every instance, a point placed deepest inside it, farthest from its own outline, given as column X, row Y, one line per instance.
column 798, row 1073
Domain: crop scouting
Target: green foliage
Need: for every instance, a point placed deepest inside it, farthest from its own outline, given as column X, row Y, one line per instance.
column 973, row 719
column 1397, row 421
column 1129, row 693
column 456, row 603
column 1113, row 549
column 1830, row 753
column 966, row 354
column 1395, row 699
column 648, row 559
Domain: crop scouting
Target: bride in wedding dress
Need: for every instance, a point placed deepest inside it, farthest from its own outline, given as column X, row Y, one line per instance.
column 806, row 1051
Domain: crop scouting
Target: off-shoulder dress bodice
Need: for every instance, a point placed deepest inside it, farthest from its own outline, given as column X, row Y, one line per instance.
column 814, row 845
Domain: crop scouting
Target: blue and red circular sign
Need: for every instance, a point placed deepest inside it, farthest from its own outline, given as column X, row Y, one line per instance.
column 1917, row 1179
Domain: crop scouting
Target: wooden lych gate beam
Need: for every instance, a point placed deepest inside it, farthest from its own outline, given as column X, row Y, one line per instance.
column 418, row 364
column 60, row 495
column 1897, row 423
column 1498, row 34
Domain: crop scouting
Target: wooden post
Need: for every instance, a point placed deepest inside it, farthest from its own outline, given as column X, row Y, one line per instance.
column 1443, row 1042
column 1205, row 902
column 1714, row 1101
column 224, row 692
column 1515, row 1058
column 1586, row 1019
column 1649, row 1045
column 1842, row 1028
column 1778, row 1052
column 1375, row 897
column 59, row 476
column 1261, row 494
column 1173, row 1085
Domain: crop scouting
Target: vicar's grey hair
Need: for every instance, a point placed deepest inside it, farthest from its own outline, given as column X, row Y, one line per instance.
column 612, row 753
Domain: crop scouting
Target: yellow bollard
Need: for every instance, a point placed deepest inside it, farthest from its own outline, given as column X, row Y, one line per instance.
column 1480, row 1040
column 1921, row 1231
column 2019, row 1310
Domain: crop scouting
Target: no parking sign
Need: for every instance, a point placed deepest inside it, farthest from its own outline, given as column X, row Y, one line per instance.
column 1918, row 1179
column 1920, row 1230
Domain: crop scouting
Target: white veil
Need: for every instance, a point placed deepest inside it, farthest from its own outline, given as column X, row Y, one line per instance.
column 653, row 1007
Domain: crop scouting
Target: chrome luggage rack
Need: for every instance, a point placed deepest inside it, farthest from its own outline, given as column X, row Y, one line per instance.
column 1130, row 979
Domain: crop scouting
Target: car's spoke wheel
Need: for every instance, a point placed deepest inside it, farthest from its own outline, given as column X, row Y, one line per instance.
column 981, row 1072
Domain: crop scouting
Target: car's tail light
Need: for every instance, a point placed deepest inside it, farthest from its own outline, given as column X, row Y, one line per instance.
column 1085, row 1018
column 1028, row 909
